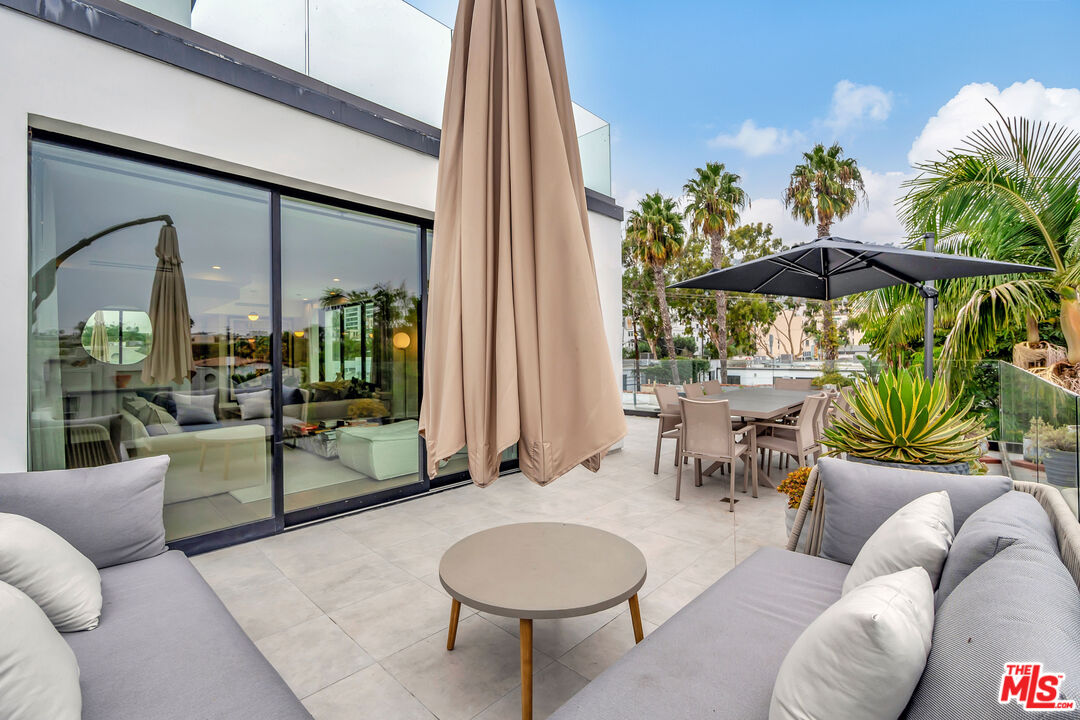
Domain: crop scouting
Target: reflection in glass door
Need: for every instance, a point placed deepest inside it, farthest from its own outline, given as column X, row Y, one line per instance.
column 350, row 324
column 135, row 355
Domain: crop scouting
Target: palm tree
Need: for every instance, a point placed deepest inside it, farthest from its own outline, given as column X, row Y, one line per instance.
column 1011, row 191
column 656, row 231
column 825, row 188
column 715, row 200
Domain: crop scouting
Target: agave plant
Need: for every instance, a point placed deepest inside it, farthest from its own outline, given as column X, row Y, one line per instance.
column 907, row 419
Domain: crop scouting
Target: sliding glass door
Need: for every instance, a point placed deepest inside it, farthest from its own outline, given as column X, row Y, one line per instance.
column 269, row 344
column 350, row 286
column 150, row 330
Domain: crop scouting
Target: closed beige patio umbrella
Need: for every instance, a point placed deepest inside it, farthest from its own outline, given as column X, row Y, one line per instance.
column 515, row 345
column 170, row 359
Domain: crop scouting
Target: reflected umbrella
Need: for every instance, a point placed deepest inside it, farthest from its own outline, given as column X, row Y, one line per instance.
column 99, row 338
column 170, row 359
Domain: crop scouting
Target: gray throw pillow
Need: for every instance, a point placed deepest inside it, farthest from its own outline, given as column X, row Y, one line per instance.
column 1013, row 517
column 112, row 514
column 1020, row 606
column 254, row 405
column 194, row 409
column 861, row 497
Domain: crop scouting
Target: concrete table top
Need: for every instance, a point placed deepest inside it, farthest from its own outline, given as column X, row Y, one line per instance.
column 542, row 570
column 762, row 403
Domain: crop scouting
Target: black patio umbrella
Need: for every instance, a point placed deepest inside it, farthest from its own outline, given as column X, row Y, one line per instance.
column 832, row 267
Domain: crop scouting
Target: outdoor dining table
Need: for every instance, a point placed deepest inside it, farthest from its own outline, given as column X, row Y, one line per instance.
column 759, row 403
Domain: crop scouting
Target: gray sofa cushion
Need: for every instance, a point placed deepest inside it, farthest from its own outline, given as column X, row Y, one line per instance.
column 860, row 497
column 167, row 649
column 1013, row 517
column 112, row 514
column 1020, row 606
column 718, row 657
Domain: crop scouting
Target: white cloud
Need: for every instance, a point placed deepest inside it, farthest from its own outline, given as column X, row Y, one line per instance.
column 968, row 110
column 755, row 141
column 852, row 104
column 873, row 221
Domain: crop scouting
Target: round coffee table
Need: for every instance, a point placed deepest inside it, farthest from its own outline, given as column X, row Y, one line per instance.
column 538, row 571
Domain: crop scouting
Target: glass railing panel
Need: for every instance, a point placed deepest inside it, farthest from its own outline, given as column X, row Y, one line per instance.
column 177, row 11
column 385, row 51
column 1039, row 428
column 276, row 31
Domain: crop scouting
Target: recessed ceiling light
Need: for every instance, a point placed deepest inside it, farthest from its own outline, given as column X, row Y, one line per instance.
column 337, row 279
column 253, row 316
column 215, row 267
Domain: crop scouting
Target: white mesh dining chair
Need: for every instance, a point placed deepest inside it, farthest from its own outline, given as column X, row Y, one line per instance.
column 667, row 397
column 707, row 434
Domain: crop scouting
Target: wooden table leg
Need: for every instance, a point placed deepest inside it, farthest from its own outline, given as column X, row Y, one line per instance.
column 635, row 618
column 202, row 457
column 525, row 631
column 455, row 612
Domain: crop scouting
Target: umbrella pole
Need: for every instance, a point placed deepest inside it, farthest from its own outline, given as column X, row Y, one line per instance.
column 930, row 299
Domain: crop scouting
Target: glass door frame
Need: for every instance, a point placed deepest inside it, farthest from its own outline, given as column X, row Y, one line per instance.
column 279, row 519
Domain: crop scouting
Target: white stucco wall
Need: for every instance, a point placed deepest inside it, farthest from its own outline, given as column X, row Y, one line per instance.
column 63, row 81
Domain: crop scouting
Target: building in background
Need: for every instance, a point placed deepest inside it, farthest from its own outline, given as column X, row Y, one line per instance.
column 291, row 150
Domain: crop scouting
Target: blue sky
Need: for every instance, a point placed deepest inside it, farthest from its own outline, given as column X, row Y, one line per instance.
column 753, row 84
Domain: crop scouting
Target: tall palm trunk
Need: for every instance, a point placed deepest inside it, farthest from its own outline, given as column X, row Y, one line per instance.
column 1070, row 323
column 665, row 319
column 716, row 242
column 828, row 331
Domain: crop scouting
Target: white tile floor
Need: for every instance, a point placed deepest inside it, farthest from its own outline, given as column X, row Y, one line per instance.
column 351, row 613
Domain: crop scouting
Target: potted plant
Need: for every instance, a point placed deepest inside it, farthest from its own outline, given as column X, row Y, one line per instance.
column 793, row 486
column 1056, row 448
column 904, row 420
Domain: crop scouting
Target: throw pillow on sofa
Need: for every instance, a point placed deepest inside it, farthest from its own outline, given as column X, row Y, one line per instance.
column 917, row 535
column 60, row 579
column 39, row 676
column 861, row 497
column 861, row 658
column 194, row 409
column 119, row 516
column 1013, row 517
column 1020, row 606
column 254, row 404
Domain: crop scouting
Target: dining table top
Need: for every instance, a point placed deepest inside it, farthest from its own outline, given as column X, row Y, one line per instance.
column 761, row 403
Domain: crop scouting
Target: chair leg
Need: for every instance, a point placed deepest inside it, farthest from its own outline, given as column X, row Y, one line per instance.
column 731, row 489
column 678, row 449
column 659, row 439
column 697, row 472
column 769, row 463
column 678, row 475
